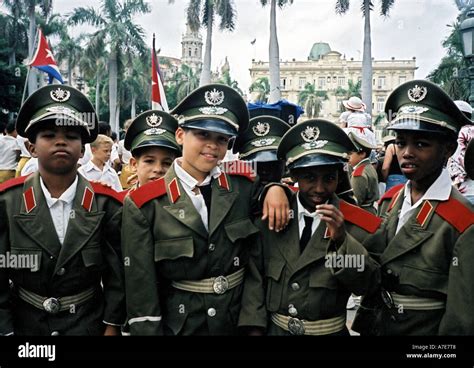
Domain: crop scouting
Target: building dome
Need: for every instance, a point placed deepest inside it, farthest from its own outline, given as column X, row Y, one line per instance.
column 319, row 49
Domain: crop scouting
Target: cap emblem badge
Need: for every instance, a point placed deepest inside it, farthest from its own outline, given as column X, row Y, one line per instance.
column 154, row 131
column 261, row 129
column 214, row 97
column 154, row 120
column 417, row 93
column 411, row 109
column 310, row 134
column 60, row 95
column 314, row 145
column 263, row 142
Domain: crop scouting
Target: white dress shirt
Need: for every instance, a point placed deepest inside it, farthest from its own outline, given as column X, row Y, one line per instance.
column 8, row 152
column 60, row 208
column 21, row 142
column 30, row 167
column 126, row 155
column 88, row 155
column 106, row 175
column 440, row 190
column 189, row 184
column 304, row 212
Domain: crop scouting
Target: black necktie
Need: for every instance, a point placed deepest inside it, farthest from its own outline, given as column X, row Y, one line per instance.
column 206, row 191
column 306, row 235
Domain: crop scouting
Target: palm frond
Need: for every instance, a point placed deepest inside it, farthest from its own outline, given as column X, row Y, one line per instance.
column 342, row 6
column 193, row 15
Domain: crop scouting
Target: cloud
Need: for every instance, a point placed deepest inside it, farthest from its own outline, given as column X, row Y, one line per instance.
column 415, row 28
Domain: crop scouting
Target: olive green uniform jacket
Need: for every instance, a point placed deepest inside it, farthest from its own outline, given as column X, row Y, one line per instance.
column 164, row 240
column 306, row 281
column 430, row 257
column 364, row 182
column 90, row 256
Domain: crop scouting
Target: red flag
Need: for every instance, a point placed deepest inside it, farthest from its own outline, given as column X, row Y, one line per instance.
column 158, row 97
column 43, row 59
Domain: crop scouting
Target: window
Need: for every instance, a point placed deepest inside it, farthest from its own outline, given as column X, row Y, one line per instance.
column 402, row 79
column 283, row 83
column 341, row 81
column 329, row 80
column 380, row 103
column 321, row 83
column 381, row 82
column 302, row 83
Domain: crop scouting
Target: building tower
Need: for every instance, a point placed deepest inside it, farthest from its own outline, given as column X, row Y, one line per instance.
column 191, row 52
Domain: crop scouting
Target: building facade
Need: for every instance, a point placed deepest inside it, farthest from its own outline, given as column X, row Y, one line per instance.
column 331, row 72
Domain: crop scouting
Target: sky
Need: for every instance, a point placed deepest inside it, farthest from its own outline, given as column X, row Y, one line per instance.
column 415, row 28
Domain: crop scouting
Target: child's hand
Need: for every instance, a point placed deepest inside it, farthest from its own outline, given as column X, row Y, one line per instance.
column 112, row 331
column 276, row 208
column 101, row 182
column 334, row 221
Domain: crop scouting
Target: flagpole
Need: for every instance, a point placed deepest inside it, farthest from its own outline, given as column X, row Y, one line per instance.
column 35, row 45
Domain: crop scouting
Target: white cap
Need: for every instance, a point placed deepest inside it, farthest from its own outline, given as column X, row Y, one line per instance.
column 464, row 107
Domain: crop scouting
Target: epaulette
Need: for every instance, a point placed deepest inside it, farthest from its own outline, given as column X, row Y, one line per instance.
column 293, row 189
column 357, row 216
column 107, row 191
column 391, row 193
column 149, row 191
column 240, row 168
column 359, row 171
column 12, row 183
column 456, row 213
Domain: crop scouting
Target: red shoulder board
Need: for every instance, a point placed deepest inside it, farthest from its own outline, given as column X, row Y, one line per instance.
column 149, row 191
column 240, row 168
column 293, row 189
column 360, row 217
column 12, row 183
column 105, row 190
column 456, row 213
column 392, row 192
column 359, row 171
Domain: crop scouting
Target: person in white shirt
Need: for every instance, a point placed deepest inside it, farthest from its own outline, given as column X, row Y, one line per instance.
column 24, row 144
column 9, row 153
column 98, row 168
column 124, row 156
column 30, row 167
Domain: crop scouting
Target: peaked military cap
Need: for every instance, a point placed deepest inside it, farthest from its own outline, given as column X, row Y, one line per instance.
column 261, row 139
column 314, row 142
column 153, row 128
column 423, row 106
column 213, row 107
column 64, row 106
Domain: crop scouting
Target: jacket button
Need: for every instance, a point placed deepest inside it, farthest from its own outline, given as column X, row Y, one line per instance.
column 389, row 271
column 211, row 312
column 292, row 311
column 55, row 333
column 212, row 247
column 295, row 286
column 61, row 271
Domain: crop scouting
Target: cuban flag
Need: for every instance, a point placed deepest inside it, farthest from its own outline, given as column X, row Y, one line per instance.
column 158, row 97
column 43, row 59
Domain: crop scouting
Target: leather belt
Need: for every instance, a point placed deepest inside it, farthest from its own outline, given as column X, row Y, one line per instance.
column 296, row 326
column 213, row 285
column 55, row 305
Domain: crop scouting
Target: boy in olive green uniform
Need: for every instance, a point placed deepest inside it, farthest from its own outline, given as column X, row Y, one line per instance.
column 187, row 236
column 296, row 289
column 67, row 228
column 364, row 179
column 150, row 138
column 425, row 282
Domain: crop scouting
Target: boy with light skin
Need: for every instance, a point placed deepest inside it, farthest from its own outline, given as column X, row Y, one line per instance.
column 189, row 234
column 69, row 225
column 97, row 168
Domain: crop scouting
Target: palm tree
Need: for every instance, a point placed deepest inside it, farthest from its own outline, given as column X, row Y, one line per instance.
column 201, row 13
column 16, row 29
column 446, row 73
column 228, row 81
column 94, row 65
column 342, row 6
column 186, row 81
column 69, row 50
column 274, row 51
column 116, row 26
column 136, row 83
column 312, row 100
column 261, row 87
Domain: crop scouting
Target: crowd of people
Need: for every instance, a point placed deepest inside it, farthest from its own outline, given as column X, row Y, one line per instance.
column 158, row 235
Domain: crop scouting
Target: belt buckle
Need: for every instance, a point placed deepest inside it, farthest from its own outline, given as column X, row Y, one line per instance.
column 296, row 326
column 220, row 285
column 387, row 299
column 52, row 305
